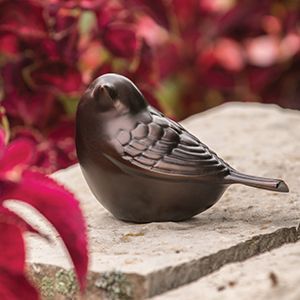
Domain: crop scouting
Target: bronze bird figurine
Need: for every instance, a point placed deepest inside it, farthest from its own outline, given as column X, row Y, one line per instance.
column 141, row 165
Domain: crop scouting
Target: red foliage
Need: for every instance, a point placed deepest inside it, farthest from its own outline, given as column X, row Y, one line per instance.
column 13, row 283
column 14, row 18
column 185, row 56
column 120, row 40
column 51, row 200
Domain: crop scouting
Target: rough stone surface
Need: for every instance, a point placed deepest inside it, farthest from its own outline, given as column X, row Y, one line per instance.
column 154, row 258
column 274, row 275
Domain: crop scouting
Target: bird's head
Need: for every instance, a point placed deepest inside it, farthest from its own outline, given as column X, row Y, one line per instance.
column 113, row 92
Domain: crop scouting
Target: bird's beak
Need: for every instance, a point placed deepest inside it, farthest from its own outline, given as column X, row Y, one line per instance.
column 109, row 90
column 102, row 96
column 101, row 91
column 104, row 90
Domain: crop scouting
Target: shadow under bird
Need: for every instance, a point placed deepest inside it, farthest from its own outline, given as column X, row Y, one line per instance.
column 144, row 167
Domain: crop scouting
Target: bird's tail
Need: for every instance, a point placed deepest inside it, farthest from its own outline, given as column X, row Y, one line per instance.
column 277, row 185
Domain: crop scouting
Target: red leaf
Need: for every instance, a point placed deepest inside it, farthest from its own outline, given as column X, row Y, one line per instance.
column 237, row 19
column 156, row 8
column 58, row 76
column 62, row 139
column 260, row 79
column 120, row 40
column 16, row 287
column 2, row 141
column 110, row 12
column 147, row 70
column 103, row 68
column 218, row 79
column 55, row 203
column 30, row 109
column 84, row 4
column 13, row 283
column 169, row 60
column 12, row 249
column 54, row 151
column 24, row 19
column 24, row 104
column 9, row 44
column 64, row 33
column 16, row 157
column 186, row 11
column 229, row 54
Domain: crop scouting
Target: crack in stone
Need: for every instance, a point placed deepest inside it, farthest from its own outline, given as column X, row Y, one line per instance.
column 173, row 277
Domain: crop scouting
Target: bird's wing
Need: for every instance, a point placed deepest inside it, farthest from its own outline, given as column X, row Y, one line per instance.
column 162, row 146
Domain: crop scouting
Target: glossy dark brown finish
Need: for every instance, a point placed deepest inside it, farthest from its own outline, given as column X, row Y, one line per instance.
column 144, row 167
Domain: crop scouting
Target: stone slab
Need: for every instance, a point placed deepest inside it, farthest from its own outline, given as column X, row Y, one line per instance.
column 274, row 276
column 154, row 258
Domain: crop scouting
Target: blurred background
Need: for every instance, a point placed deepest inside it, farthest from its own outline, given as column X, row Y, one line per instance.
column 185, row 55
